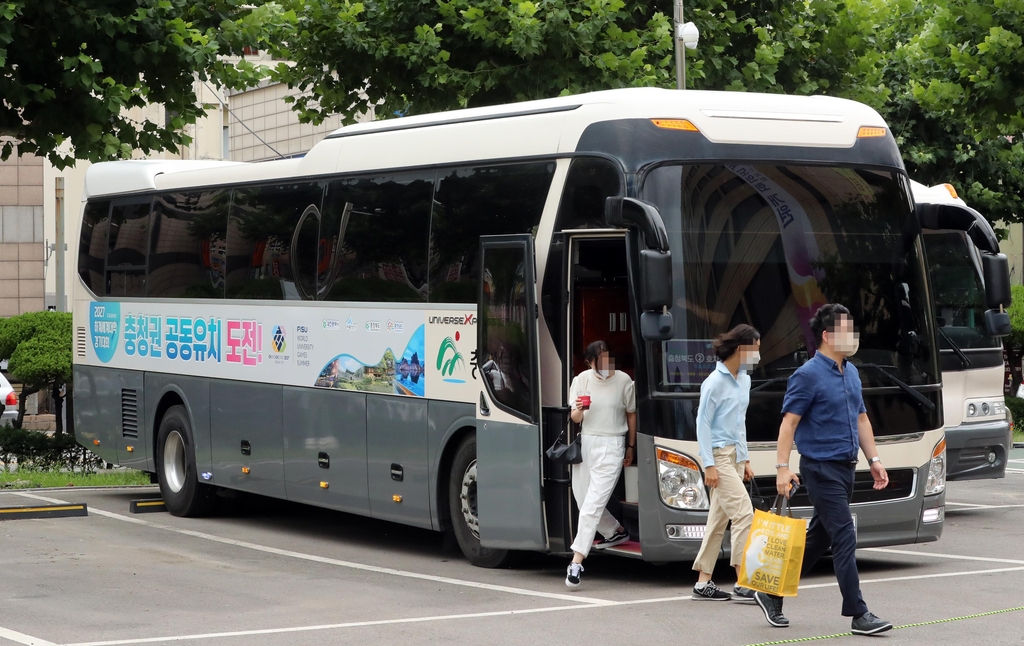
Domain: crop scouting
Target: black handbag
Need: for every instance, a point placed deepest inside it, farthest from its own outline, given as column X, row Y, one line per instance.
column 565, row 453
column 764, row 503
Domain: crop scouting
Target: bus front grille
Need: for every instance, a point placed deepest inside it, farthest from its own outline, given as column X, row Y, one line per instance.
column 901, row 486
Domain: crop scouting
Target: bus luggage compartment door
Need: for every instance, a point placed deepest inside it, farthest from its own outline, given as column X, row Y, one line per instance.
column 509, row 497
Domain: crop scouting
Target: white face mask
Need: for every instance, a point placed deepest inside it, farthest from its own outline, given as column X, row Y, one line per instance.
column 750, row 360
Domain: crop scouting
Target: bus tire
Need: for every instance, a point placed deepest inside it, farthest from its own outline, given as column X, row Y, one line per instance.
column 462, row 507
column 182, row 492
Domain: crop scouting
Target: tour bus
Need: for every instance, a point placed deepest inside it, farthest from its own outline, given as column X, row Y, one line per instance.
column 388, row 325
column 978, row 435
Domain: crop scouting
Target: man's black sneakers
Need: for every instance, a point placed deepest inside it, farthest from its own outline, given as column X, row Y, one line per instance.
column 868, row 624
column 573, row 573
column 618, row 538
column 772, row 607
column 709, row 592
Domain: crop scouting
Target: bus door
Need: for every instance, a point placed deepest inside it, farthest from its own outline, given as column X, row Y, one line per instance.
column 508, row 438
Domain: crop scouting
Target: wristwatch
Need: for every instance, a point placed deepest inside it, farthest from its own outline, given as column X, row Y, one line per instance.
column 873, row 460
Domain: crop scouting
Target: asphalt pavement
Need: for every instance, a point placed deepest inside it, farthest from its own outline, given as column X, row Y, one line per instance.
column 266, row 572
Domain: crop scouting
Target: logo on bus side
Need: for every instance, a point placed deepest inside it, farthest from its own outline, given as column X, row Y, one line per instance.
column 104, row 320
column 449, row 359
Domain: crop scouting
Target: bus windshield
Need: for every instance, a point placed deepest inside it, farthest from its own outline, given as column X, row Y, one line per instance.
column 768, row 245
column 957, row 289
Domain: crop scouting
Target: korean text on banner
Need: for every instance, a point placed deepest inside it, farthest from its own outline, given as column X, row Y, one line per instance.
column 774, row 554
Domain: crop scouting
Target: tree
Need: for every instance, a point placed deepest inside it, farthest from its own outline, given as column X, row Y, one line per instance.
column 72, row 71
column 37, row 347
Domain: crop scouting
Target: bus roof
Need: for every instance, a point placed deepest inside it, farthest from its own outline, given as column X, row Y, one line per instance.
column 528, row 129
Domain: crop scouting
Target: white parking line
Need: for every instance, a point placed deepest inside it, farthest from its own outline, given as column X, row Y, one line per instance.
column 329, row 561
column 972, row 506
column 500, row 613
column 22, row 638
column 937, row 555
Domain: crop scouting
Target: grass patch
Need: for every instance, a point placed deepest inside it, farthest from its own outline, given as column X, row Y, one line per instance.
column 1018, row 434
column 24, row 479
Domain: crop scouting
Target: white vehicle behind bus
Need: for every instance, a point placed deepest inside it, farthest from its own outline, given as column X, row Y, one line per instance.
column 978, row 435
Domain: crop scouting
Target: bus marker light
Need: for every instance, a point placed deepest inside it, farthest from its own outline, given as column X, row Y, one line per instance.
column 396, row 498
column 952, row 191
column 867, row 132
column 96, row 442
column 939, row 448
column 675, row 458
column 324, row 485
column 245, row 470
column 130, row 449
column 207, row 475
column 675, row 124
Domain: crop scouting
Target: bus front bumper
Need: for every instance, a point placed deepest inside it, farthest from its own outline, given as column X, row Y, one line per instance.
column 977, row 451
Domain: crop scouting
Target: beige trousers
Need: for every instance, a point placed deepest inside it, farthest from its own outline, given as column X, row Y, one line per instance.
column 729, row 502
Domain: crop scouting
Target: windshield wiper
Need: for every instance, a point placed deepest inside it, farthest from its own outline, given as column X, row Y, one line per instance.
column 916, row 396
column 965, row 362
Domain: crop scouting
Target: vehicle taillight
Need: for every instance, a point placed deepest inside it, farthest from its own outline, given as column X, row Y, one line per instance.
column 12, row 399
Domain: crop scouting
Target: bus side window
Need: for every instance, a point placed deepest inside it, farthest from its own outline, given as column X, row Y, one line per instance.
column 92, row 246
column 383, row 256
column 268, row 256
column 126, row 251
column 589, row 183
column 474, row 202
column 186, row 257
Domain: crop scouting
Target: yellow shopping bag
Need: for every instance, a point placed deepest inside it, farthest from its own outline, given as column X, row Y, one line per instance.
column 774, row 552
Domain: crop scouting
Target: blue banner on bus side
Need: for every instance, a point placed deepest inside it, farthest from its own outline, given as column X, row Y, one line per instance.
column 104, row 320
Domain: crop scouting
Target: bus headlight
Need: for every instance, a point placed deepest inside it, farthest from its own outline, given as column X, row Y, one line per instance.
column 680, row 481
column 937, row 470
column 979, row 410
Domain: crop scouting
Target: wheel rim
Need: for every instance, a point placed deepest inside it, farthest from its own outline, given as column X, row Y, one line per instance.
column 468, row 500
column 174, row 461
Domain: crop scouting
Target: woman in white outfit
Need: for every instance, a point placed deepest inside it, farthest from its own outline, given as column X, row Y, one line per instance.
column 604, row 402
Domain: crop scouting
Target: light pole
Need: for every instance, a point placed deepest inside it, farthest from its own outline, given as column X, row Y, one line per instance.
column 686, row 36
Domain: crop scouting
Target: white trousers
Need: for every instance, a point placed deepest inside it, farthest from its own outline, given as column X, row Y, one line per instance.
column 592, row 483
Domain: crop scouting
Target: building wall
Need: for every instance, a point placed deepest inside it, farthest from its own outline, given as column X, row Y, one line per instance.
column 266, row 114
column 21, row 235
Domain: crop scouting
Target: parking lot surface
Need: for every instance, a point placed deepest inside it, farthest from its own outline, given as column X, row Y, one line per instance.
column 266, row 572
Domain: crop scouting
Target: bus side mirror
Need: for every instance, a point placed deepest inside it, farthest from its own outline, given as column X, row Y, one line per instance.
column 997, row 324
column 997, row 280
column 625, row 212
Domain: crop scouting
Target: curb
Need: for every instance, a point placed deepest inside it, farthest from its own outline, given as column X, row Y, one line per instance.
column 107, row 488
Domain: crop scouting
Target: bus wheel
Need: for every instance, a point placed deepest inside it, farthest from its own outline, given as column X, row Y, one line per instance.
column 182, row 492
column 462, row 507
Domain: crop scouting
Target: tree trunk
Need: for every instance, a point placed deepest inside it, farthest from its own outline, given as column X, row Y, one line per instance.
column 58, row 409
column 25, row 393
column 69, row 397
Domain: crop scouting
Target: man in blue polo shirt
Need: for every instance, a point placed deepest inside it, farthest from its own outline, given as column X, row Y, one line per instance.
column 824, row 412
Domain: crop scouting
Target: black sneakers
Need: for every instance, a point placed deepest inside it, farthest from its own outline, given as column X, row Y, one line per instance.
column 573, row 574
column 772, row 607
column 709, row 592
column 741, row 594
column 868, row 624
column 618, row 538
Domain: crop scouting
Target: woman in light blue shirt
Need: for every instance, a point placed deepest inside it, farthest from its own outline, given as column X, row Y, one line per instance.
column 722, row 436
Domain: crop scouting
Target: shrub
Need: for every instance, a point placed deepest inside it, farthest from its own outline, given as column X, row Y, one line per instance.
column 34, row 450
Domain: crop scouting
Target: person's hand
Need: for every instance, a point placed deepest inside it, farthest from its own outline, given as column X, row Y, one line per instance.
column 785, row 480
column 880, row 476
column 711, row 477
column 579, row 404
column 629, row 456
column 748, row 472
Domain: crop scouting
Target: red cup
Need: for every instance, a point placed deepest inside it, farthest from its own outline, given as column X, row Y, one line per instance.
column 585, row 402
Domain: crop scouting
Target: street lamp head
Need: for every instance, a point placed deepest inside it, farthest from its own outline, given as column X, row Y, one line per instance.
column 688, row 34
